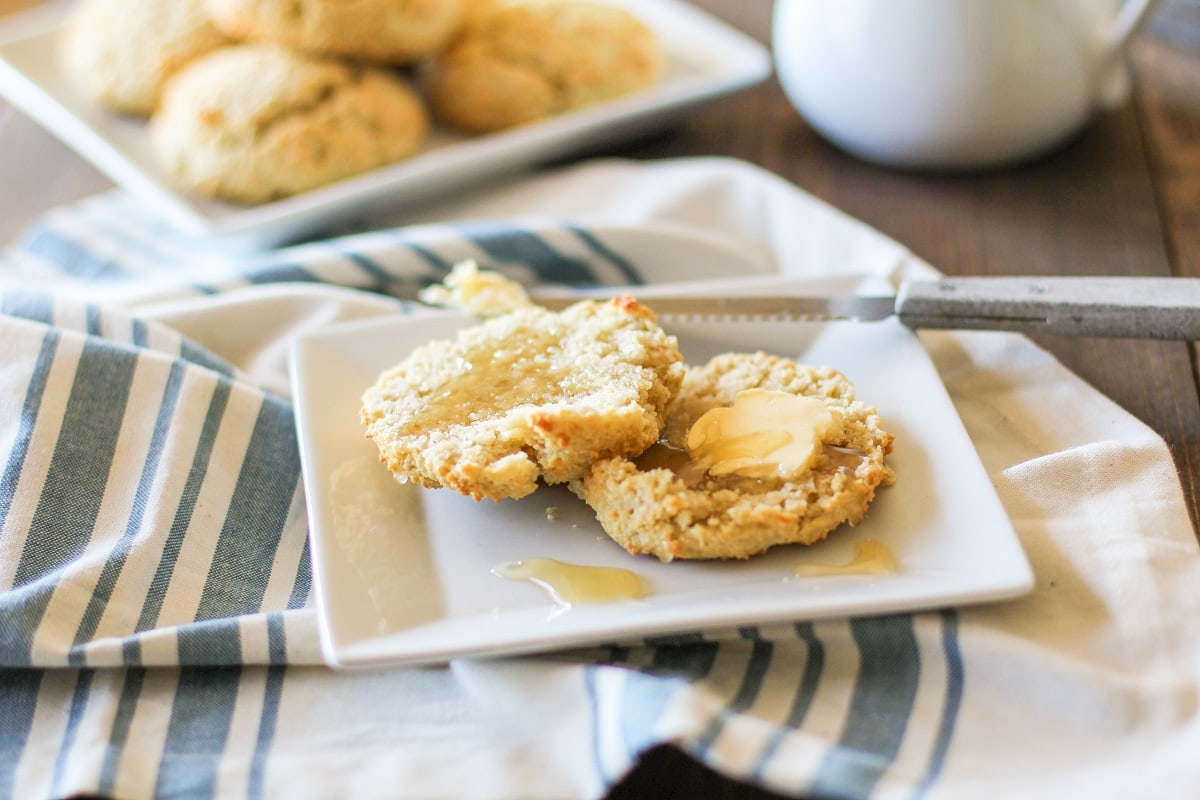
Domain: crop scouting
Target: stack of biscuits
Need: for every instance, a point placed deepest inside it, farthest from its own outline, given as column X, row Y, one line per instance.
column 254, row 100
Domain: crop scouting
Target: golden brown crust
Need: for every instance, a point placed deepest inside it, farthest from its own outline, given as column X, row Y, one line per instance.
column 527, row 396
column 653, row 511
column 120, row 52
column 250, row 123
column 383, row 31
column 520, row 61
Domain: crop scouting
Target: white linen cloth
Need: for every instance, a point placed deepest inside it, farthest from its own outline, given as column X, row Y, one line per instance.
column 156, row 631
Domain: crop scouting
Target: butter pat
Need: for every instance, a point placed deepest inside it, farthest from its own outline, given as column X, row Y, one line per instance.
column 763, row 434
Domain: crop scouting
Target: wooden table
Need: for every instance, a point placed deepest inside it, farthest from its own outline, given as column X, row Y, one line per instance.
column 1121, row 199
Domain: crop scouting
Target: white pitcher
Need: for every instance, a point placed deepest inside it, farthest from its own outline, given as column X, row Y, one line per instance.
column 952, row 84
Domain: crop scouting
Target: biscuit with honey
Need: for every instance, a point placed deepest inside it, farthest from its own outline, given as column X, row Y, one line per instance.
column 526, row 397
column 519, row 61
column 253, row 122
column 716, row 486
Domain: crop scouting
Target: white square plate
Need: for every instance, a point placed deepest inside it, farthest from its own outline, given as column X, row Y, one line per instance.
column 705, row 59
column 403, row 574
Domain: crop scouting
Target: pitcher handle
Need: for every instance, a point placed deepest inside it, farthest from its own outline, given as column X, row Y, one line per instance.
column 1111, row 85
column 1129, row 19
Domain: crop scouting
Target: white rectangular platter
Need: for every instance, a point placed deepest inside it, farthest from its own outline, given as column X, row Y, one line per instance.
column 705, row 59
column 404, row 575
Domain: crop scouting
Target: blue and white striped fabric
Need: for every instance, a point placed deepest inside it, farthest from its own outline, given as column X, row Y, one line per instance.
column 156, row 631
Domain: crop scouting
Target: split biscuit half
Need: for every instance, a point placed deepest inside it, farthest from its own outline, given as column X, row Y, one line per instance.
column 526, row 397
column 651, row 506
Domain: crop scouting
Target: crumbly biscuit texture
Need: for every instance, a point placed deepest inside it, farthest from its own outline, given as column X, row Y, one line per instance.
column 384, row 31
column 481, row 293
column 250, row 123
column 519, row 61
column 650, row 509
column 525, row 397
column 119, row 53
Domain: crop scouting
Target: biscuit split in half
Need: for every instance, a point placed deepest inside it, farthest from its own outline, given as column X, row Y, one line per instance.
column 719, row 461
column 530, row 396
column 661, row 504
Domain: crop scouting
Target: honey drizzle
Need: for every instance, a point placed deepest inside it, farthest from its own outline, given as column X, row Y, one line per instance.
column 488, row 386
column 870, row 558
column 664, row 455
column 570, row 584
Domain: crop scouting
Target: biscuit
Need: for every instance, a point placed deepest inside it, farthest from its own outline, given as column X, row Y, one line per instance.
column 517, row 62
column 649, row 506
column 383, row 31
column 250, row 123
column 527, row 396
column 479, row 292
column 120, row 52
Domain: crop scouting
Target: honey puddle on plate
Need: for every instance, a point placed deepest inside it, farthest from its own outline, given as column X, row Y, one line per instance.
column 870, row 558
column 574, row 584
column 571, row 584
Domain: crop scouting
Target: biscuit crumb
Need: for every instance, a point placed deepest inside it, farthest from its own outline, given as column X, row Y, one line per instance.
column 481, row 293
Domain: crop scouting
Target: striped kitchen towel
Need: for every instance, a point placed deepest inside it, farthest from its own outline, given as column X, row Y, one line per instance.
column 157, row 631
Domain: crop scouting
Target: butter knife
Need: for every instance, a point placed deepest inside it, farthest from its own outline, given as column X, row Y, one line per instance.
column 1126, row 307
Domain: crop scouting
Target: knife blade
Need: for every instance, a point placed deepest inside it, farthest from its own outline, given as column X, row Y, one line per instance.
column 1114, row 307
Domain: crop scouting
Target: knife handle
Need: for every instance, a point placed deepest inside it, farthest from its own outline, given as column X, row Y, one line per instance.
column 1131, row 307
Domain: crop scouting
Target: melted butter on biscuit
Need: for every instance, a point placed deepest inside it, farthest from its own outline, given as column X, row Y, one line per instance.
column 763, row 434
column 480, row 292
